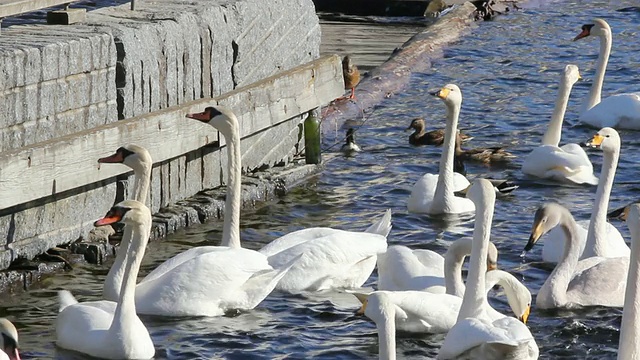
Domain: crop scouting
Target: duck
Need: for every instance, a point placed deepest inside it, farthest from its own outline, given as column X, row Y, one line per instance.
column 350, row 145
column 401, row 268
column 476, row 335
column 108, row 329
column 568, row 163
column 484, row 155
column 425, row 312
column 434, row 193
column 595, row 281
column 8, row 341
column 351, row 75
column 204, row 280
column 501, row 186
column 621, row 111
column 629, row 342
column 596, row 236
column 434, row 137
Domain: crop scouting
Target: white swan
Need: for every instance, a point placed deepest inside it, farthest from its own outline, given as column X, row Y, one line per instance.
column 139, row 160
column 8, row 341
column 433, row 193
column 595, row 237
column 108, row 329
column 211, row 280
column 402, row 269
column 593, row 281
column 629, row 343
column 568, row 163
column 475, row 335
column 621, row 111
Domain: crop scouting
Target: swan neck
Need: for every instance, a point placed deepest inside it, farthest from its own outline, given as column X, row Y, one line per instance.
column 629, row 346
column 231, row 227
column 557, row 283
column 595, row 93
column 554, row 130
column 142, row 176
column 387, row 334
column 125, row 313
column 596, row 243
column 475, row 294
column 443, row 197
column 453, row 261
column 113, row 281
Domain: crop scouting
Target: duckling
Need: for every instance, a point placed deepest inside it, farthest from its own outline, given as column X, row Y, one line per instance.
column 350, row 145
column 486, row 155
column 351, row 75
column 433, row 137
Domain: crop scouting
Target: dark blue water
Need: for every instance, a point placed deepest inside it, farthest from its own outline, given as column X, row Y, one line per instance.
column 508, row 71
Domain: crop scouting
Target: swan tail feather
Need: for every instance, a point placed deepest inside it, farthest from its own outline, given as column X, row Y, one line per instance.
column 382, row 226
column 262, row 283
column 66, row 299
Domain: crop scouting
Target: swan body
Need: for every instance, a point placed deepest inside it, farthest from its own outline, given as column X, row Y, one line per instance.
column 476, row 335
column 434, row 194
column 568, row 163
column 329, row 258
column 8, row 341
column 107, row 329
column 595, row 281
column 629, row 345
column 595, row 237
column 621, row 111
column 401, row 269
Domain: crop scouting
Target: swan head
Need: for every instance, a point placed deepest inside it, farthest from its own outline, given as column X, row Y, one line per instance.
column 571, row 74
column 606, row 139
column 598, row 28
column 219, row 117
column 9, row 339
column 132, row 155
column 450, row 94
column 129, row 212
column 417, row 124
column 481, row 191
column 378, row 306
column 518, row 296
column 546, row 218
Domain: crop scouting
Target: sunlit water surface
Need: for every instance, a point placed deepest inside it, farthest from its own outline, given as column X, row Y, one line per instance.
column 508, row 71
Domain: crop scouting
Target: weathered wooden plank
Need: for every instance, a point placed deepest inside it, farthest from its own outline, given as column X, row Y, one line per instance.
column 17, row 7
column 69, row 162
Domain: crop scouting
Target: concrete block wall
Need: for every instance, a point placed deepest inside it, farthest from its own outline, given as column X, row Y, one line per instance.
column 57, row 80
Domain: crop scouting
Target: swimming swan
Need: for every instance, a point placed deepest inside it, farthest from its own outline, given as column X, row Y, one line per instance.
column 476, row 335
column 568, row 163
column 8, row 341
column 107, row 329
column 592, row 281
column 596, row 236
column 433, row 193
column 621, row 111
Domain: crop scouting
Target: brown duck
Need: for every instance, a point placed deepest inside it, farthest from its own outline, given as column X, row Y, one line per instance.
column 486, row 155
column 351, row 75
column 433, row 137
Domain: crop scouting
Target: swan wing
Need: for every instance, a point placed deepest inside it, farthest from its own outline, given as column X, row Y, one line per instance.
column 205, row 285
column 554, row 163
column 177, row 260
column 424, row 190
column 602, row 284
column 426, row 312
column 620, row 111
column 343, row 259
column 401, row 268
column 476, row 339
column 553, row 245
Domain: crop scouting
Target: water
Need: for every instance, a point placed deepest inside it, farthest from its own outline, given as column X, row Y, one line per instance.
column 508, row 72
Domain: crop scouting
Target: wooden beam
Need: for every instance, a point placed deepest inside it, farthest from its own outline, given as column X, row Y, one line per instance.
column 69, row 162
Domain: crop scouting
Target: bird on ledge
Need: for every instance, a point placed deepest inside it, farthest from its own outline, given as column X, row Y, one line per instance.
column 351, row 76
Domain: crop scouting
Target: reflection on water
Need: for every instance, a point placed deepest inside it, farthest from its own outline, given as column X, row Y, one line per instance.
column 508, row 72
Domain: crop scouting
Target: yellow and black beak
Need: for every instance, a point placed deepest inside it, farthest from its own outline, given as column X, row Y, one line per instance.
column 536, row 232
column 491, row 265
column 525, row 316
column 442, row 94
column 595, row 142
column 363, row 308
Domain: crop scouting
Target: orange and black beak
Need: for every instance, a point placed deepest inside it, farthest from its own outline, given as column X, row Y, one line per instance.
column 114, row 215
column 118, row 157
column 586, row 31
column 205, row 116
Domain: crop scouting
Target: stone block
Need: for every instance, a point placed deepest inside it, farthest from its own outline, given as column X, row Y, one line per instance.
column 66, row 17
column 62, row 102
column 47, row 98
column 80, row 90
column 50, row 55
